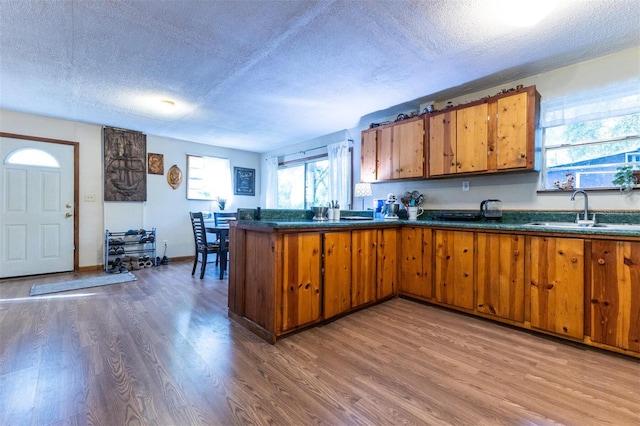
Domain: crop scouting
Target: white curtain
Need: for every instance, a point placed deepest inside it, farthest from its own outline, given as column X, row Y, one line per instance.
column 614, row 100
column 272, row 183
column 339, row 176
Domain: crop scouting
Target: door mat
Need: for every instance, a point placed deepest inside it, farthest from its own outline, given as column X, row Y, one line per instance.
column 39, row 289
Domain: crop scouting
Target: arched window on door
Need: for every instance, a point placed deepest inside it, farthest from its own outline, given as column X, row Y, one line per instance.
column 31, row 157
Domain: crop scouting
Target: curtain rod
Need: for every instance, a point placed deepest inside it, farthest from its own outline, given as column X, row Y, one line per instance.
column 319, row 147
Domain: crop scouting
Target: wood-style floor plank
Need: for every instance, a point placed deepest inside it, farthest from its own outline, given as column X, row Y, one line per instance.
column 161, row 350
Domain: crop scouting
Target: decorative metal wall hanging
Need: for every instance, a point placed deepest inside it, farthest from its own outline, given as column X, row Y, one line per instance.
column 125, row 156
column 155, row 164
column 174, row 176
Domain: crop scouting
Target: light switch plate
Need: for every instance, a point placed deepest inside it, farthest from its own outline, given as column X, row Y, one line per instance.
column 465, row 186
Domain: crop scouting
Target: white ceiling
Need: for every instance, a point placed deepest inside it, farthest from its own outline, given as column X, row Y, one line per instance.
column 262, row 74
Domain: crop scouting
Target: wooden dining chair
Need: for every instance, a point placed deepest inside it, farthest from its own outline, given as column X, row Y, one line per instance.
column 223, row 218
column 202, row 246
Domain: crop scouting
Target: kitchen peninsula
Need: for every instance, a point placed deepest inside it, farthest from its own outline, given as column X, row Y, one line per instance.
column 288, row 272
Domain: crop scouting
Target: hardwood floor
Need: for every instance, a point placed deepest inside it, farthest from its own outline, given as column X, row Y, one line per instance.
column 161, row 350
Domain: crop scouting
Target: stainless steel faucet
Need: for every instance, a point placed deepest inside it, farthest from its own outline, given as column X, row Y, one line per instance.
column 585, row 219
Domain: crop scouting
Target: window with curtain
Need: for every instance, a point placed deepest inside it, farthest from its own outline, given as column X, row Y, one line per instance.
column 306, row 181
column 208, row 178
column 589, row 135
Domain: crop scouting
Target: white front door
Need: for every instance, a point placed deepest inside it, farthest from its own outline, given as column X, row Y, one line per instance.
column 36, row 210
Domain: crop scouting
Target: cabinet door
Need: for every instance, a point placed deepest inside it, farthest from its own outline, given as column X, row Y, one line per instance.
column 416, row 262
column 368, row 156
column 472, row 138
column 512, row 133
column 408, row 149
column 442, row 144
column 615, row 294
column 454, row 263
column 557, row 285
column 363, row 266
column 384, row 147
column 500, row 276
column 336, row 283
column 301, row 279
column 387, row 262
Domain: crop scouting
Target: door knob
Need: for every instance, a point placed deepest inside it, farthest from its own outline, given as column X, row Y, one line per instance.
column 68, row 205
column 68, row 214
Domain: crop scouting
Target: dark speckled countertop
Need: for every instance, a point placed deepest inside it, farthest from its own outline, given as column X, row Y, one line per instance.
column 514, row 221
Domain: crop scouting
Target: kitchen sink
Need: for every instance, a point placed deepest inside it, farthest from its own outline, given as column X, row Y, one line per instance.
column 573, row 225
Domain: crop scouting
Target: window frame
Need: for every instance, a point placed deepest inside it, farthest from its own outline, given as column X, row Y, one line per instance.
column 598, row 104
column 212, row 182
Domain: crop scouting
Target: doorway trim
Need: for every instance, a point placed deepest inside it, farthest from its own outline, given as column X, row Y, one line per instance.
column 76, row 196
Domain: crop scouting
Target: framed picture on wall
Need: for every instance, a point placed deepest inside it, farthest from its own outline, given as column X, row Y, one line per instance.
column 244, row 181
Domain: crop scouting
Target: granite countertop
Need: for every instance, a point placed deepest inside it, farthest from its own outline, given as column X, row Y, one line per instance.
column 511, row 221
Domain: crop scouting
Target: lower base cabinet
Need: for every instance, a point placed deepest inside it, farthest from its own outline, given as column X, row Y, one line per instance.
column 500, row 275
column 336, row 281
column 301, row 280
column 453, row 268
column 615, row 294
column 556, row 281
column 387, row 262
column 416, row 262
column 586, row 290
column 364, row 247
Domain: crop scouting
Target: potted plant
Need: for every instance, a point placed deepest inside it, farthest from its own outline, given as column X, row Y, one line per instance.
column 222, row 202
column 626, row 178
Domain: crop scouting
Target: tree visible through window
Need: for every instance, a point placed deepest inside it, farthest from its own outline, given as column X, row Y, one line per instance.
column 588, row 136
column 303, row 184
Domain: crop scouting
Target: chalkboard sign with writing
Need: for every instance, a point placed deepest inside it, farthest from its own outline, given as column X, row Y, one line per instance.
column 244, row 181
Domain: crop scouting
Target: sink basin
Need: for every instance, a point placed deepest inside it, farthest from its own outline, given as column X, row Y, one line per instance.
column 573, row 225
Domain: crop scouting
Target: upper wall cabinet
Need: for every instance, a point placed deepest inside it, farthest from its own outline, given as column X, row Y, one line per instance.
column 495, row 134
column 394, row 151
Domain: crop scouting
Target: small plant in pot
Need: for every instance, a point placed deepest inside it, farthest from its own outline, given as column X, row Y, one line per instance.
column 222, row 203
column 626, row 178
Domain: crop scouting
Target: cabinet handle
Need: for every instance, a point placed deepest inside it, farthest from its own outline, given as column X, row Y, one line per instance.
column 523, row 155
column 601, row 261
column 516, row 253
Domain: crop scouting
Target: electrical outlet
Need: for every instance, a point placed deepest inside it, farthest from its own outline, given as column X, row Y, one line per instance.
column 165, row 242
column 465, row 186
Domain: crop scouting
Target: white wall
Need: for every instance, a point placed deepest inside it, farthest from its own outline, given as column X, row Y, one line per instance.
column 166, row 209
column 518, row 191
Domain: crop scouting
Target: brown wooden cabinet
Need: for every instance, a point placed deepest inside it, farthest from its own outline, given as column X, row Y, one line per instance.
column 472, row 139
column 387, row 262
column 416, row 262
column 515, row 124
column 368, row 156
column 492, row 135
column 454, row 265
column 442, row 143
column 500, row 264
column 458, row 141
column 556, row 281
column 615, row 294
column 364, row 246
column 393, row 151
column 336, row 282
column 301, row 280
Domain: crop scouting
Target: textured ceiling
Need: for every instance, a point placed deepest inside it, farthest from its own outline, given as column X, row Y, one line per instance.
column 258, row 75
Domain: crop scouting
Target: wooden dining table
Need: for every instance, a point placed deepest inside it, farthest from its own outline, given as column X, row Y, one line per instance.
column 222, row 235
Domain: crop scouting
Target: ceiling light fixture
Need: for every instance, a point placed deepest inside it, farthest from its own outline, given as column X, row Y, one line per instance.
column 167, row 103
column 524, row 13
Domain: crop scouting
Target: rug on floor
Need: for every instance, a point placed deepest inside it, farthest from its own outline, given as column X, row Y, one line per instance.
column 39, row 289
